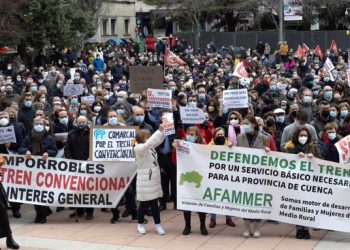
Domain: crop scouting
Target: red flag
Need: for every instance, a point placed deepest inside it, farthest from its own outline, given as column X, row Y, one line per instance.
column 305, row 48
column 318, row 52
column 240, row 71
column 300, row 52
column 334, row 48
column 171, row 59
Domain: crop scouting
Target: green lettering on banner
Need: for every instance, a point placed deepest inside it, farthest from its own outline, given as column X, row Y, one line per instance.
column 207, row 194
column 263, row 160
column 236, row 197
column 214, row 155
column 248, row 199
column 246, row 159
column 222, row 156
column 230, row 156
column 273, row 162
column 225, row 196
column 255, row 160
column 238, row 158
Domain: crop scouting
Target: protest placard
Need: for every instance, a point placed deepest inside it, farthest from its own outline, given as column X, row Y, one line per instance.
column 191, row 115
column 64, row 182
column 142, row 78
column 73, row 89
column 348, row 75
column 7, row 134
column 250, row 183
column 343, row 147
column 89, row 100
column 168, row 122
column 112, row 143
column 235, row 98
column 159, row 98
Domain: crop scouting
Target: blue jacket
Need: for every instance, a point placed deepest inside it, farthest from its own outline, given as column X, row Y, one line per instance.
column 98, row 64
column 49, row 144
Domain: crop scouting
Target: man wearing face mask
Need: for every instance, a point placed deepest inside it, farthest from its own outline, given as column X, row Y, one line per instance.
column 18, row 85
column 26, row 112
column 306, row 103
column 9, row 97
column 322, row 118
column 280, row 124
column 79, row 136
column 12, row 147
column 64, row 125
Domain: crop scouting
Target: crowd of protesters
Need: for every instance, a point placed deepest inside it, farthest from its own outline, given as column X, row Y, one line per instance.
column 295, row 106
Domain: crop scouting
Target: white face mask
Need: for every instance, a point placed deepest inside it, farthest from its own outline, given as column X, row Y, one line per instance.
column 302, row 140
column 97, row 108
column 234, row 122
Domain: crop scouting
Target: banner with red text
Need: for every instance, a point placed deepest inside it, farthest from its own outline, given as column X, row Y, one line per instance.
column 65, row 183
column 343, row 147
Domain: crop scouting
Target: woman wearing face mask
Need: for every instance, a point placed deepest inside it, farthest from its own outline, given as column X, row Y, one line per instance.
column 192, row 135
column 252, row 138
column 148, row 183
column 213, row 110
column 326, row 146
column 85, row 110
column 233, row 128
column 39, row 142
column 344, row 111
column 334, row 113
column 219, row 139
column 302, row 145
column 345, row 129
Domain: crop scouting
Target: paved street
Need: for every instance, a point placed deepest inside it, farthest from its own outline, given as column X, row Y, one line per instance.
column 63, row 233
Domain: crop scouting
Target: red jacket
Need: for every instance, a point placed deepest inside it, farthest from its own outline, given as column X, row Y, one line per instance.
column 150, row 43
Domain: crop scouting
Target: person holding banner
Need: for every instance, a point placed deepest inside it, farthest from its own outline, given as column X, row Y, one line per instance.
column 193, row 135
column 302, row 145
column 219, row 139
column 148, row 184
column 252, row 138
column 5, row 230
column 326, row 145
column 38, row 142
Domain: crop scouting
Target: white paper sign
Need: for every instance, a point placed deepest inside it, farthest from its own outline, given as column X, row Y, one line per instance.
column 112, row 143
column 168, row 122
column 73, row 89
column 235, row 98
column 89, row 100
column 191, row 115
column 159, row 98
column 7, row 134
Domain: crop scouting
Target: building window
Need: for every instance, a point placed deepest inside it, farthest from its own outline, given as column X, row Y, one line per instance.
column 104, row 26
column 113, row 26
column 126, row 26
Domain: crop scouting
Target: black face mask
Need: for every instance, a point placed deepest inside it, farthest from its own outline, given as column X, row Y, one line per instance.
column 293, row 114
column 270, row 123
column 325, row 113
column 219, row 140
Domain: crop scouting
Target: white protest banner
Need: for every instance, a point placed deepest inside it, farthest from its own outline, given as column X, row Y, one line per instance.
column 72, row 72
column 73, row 89
column 235, row 98
column 250, row 183
column 191, row 115
column 159, row 98
column 89, row 100
column 112, row 143
column 7, row 134
column 168, row 122
column 343, row 147
column 65, row 183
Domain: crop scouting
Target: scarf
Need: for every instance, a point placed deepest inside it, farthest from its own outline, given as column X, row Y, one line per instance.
column 37, row 143
column 232, row 136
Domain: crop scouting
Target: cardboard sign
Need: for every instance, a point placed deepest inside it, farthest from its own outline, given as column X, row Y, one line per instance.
column 73, row 89
column 159, row 98
column 89, row 100
column 144, row 77
column 191, row 115
column 112, row 143
column 7, row 134
column 235, row 98
column 168, row 122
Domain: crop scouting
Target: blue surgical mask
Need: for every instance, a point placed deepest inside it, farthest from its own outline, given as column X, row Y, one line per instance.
column 113, row 121
column 332, row 136
column 190, row 138
column 261, row 129
column 344, row 113
column 328, row 95
column 333, row 114
column 273, row 87
column 201, row 97
column 28, row 104
column 120, row 111
column 64, row 121
column 192, row 104
column 173, row 89
column 139, row 119
column 34, row 89
column 38, row 128
column 83, row 112
column 120, row 100
column 74, row 101
column 280, row 119
column 225, row 110
column 247, row 128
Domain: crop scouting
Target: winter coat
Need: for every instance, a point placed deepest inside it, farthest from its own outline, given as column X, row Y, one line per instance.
column 309, row 148
column 49, row 144
column 81, row 138
column 261, row 141
column 148, row 184
column 26, row 116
